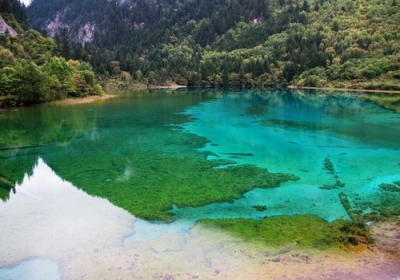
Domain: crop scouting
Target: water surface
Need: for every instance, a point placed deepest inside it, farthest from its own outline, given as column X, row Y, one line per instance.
column 119, row 185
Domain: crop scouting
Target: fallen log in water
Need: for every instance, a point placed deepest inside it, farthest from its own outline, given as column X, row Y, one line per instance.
column 25, row 147
column 346, row 204
column 6, row 183
column 239, row 154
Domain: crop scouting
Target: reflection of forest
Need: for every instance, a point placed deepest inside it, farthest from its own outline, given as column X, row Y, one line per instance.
column 341, row 108
column 27, row 132
column 38, row 126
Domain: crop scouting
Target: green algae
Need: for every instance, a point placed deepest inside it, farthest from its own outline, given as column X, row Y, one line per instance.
column 390, row 187
column 379, row 207
column 354, row 234
column 297, row 231
column 152, row 183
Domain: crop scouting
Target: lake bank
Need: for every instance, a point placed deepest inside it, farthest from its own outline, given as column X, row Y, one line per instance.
column 83, row 100
column 347, row 89
column 165, row 87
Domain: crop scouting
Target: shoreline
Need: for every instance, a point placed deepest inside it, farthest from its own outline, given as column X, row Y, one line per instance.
column 166, row 87
column 83, row 100
column 348, row 89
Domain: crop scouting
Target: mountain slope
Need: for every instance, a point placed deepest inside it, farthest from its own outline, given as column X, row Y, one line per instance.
column 234, row 42
column 30, row 70
column 15, row 14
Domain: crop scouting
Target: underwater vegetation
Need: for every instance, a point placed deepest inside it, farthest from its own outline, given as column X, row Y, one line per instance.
column 292, row 124
column 380, row 207
column 260, row 207
column 256, row 110
column 354, row 234
column 294, row 231
column 395, row 187
column 152, row 183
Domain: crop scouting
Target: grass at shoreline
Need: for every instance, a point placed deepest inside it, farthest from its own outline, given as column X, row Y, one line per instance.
column 83, row 100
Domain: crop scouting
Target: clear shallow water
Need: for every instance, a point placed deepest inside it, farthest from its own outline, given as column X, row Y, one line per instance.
column 35, row 269
column 295, row 133
column 83, row 171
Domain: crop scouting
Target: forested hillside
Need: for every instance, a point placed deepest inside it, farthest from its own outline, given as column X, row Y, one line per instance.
column 344, row 43
column 14, row 13
column 32, row 67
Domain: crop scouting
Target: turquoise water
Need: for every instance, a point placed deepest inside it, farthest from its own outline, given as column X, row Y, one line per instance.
column 294, row 133
column 35, row 269
column 107, row 176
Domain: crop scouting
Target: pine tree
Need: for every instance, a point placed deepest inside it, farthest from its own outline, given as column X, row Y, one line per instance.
column 65, row 49
column 306, row 7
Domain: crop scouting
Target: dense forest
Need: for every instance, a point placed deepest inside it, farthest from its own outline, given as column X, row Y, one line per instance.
column 33, row 68
column 322, row 43
column 15, row 14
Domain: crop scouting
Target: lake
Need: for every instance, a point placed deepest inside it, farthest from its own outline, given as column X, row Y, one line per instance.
column 201, row 184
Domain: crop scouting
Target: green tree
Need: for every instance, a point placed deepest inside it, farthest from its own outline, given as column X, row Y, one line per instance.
column 61, row 75
column 33, row 84
column 6, row 58
column 65, row 49
column 225, row 74
column 289, row 71
column 9, row 81
column 335, row 26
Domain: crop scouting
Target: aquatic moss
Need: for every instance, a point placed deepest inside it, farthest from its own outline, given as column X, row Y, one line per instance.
column 379, row 207
column 354, row 234
column 390, row 187
column 297, row 230
column 149, row 184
